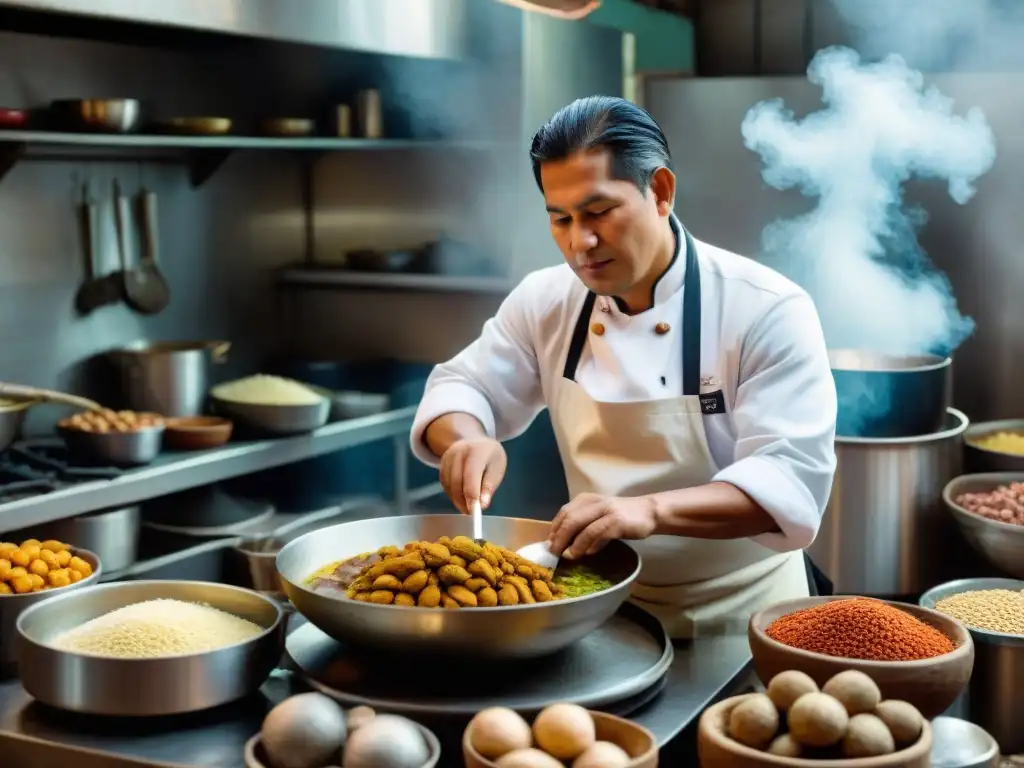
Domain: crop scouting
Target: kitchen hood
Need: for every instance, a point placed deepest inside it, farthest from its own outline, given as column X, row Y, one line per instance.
column 562, row 9
column 432, row 29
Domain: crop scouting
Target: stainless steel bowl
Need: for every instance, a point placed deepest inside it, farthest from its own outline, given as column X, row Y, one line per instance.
column 978, row 459
column 275, row 419
column 113, row 534
column 12, row 606
column 520, row 631
column 172, row 685
column 1002, row 544
column 356, row 405
column 123, row 449
column 957, row 743
column 995, row 695
column 108, row 115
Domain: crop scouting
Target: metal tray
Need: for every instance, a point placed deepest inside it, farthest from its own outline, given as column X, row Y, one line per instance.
column 625, row 657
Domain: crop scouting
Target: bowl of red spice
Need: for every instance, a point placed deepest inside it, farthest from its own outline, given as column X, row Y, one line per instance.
column 912, row 653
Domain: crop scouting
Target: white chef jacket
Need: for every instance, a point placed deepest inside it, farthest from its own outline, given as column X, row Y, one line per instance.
column 762, row 346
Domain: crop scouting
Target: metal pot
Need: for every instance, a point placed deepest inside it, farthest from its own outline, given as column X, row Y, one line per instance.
column 995, row 695
column 12, row 416
column 113, row 534
column 890, row 396
column 886, row 531
column 169, row 378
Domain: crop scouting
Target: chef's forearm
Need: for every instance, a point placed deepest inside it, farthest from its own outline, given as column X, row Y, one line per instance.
column 711, row 511
column 450, row 428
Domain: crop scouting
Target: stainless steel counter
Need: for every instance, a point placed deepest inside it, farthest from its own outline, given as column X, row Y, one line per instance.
column 30, row 734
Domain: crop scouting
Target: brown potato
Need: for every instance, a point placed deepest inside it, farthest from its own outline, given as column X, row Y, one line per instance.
column 525, row 571
column 392, row 551
column 541, row 591
column 387, row 581
column 415, row 582
column 432, row 580
column 447, row 601
column 404, row 598
column 430, row 597
column 434, row 555
column 382, row 596
column 525, row 595
column 456, row 560
column 453, row 574
column 463, row 595
column 508, row 595
column 484, row 570
column 476, row 584
column 487, row 598
column 397, row 566
column 363, row 597
column 466, row 548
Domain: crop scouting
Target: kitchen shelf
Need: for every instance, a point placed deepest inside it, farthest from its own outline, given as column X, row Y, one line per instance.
column 204, row 154
column 173, row 472
column 327, row 278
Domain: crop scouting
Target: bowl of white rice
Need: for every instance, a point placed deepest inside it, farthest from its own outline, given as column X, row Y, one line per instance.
column 149, row 648
column 272, row 404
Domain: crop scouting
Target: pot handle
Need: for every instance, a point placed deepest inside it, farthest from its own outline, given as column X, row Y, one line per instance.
column 20, row 392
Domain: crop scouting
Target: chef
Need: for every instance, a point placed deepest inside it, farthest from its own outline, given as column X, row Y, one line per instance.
column 688, row 387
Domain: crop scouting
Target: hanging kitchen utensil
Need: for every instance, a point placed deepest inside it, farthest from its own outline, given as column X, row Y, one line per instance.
column 145, row 287
column 96, row 291
column 34, row 394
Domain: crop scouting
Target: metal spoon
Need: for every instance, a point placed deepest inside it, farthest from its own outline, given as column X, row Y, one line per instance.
column 539, row 553
column 478, row 521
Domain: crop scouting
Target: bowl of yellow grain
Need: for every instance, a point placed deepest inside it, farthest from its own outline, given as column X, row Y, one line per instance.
column 994, row 446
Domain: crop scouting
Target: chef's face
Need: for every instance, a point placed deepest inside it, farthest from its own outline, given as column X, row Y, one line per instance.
column 608, row 230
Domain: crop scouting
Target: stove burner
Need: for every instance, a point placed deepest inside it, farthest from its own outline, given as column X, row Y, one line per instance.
column 37, row 467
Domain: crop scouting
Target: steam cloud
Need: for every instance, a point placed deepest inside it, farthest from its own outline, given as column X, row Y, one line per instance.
column 856, row 252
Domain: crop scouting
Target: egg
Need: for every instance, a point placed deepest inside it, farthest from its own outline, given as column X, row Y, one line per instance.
column 564, row 731
column 387, row 741
column 786, row 687
column 527, row 758
column 854, row 690
column 785, row 746
column 359, row 716
column 602, row 754
column 754, row 721
column 817, row 720
column 902, row 719
column 497, row 731
column 303, row 731
column 867, row 736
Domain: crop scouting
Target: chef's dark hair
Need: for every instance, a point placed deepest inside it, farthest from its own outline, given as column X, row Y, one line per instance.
column 628, row 132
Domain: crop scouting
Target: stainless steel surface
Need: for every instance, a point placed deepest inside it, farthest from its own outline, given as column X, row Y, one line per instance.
column 169, row 378
column 274, row 419
column 173, row 685
column 887, row 396
column 445, row 284
column 978, row 459
column 995, row 695
column 701, row 118
column 369, row 114
column 113, row 534
column 1001, row 543
column 521, row 631
column 617, row 660
column 255, row 758
column 172, row 473
column 208, row 512
column 113, row 115
column 12, row 416
column 958, row 743
column 885, row 530
column 95, row 290
column 123, row 449
column 424, row 28
column 12, row 606
column 702, row 672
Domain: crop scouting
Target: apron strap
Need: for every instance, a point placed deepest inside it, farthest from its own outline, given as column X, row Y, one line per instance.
column 691, row 325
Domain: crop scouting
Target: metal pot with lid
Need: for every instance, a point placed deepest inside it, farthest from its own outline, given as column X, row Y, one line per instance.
column 167, row 377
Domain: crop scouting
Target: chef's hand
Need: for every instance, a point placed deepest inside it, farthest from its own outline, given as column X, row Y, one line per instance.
column 471, row 470
column 588, row 522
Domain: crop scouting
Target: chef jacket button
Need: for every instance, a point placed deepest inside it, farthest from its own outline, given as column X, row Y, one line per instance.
column 661, row 329
column 597, row 329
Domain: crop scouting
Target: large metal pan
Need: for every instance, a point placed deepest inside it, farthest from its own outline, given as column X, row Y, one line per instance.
column 509, row 632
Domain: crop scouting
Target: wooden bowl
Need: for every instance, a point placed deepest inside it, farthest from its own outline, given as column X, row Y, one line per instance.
column 637, row 741
column 718, row 750
column 931, row 685
column 197, row 433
